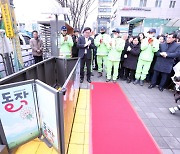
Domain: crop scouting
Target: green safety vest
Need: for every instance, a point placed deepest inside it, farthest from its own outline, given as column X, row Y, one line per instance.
column 147, row 50
column 116, row 49
column 102, row 48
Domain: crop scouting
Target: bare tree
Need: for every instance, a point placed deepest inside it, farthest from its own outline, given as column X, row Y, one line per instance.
column 63, row 2
column 80, row 10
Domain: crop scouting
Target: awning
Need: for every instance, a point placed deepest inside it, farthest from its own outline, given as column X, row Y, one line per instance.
column 174, row 22
column 135, row 20
column 70, row 29
column 154, row 22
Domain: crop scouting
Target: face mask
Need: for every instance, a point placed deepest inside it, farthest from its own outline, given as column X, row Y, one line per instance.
column 115, row 36
column 102, row 32
column 150, row 35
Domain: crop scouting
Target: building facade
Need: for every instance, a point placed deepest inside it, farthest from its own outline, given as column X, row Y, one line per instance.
column 104, row 14
column 126, row 10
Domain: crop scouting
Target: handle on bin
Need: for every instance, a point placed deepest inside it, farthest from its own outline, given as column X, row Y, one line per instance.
column 74, row 109
column 64, row 91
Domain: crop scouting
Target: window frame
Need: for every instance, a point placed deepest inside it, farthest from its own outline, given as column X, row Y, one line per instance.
column 127, row 2
column 158, row 3
column 142, row 3
column 172, row 4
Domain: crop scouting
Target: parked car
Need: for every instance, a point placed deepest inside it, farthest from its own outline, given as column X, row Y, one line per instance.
column 7, row 47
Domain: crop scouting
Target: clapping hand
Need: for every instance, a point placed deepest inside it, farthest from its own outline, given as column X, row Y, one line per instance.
column 178, row 83
column 150, row 41
column 125, row 56
column 65, row 38
column 101, row 40
column 163, row 54
column 129, row 48
column 87, row 43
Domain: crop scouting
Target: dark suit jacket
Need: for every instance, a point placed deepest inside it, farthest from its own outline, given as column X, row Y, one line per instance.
column 166, row 64
column 80, row 45
column 74, row 48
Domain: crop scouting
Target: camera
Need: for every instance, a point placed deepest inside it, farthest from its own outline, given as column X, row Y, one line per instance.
column 177, row 78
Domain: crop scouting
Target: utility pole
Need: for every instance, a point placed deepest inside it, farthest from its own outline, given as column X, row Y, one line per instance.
column 7, row 9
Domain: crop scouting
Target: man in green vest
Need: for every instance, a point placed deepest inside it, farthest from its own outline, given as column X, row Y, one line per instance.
column 102, row 43
column 65, row 43
column 149, row 46
column 116, row 47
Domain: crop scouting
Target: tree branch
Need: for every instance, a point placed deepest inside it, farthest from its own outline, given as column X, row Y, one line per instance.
column 80, row 10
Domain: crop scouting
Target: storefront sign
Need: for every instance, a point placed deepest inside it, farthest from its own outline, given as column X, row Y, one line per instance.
column 6, row 14
column 135, row 9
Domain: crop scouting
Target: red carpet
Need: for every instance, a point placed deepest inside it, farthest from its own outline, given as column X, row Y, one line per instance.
column 116, row 127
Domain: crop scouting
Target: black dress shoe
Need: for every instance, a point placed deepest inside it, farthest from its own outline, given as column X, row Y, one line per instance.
column 81, row 80
column 136, row 82
column 124, row 78
column 108, row 80
column 89, row 80
column 161, row 89
column 95, row 68
column 151, row 86
column 141, row 82
column 128, row 81
column 99, row 74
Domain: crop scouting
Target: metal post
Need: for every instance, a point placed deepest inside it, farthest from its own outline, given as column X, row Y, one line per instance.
column 11, row 2
column 8, row 64
column 57, row 35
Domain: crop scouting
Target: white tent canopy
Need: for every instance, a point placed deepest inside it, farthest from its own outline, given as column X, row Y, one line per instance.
column 35, row 10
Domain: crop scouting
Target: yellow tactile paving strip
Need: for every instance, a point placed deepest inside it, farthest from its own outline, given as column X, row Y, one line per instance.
column 79, row 143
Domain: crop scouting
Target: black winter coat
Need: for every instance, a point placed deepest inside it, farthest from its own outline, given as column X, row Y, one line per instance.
column 125, row 50
column 166, row 64
column 132, row 57
column 75, row 48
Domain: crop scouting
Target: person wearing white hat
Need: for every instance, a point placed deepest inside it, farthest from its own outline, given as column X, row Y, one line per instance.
column 116, row 47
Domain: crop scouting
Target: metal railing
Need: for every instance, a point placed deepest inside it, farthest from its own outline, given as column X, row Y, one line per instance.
column 28, row 60
column 3, row 69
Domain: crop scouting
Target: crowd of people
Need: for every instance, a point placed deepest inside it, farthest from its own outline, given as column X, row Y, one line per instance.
column 122, row 56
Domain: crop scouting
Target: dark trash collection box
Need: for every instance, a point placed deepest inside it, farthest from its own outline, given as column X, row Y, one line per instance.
column 40, row 101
